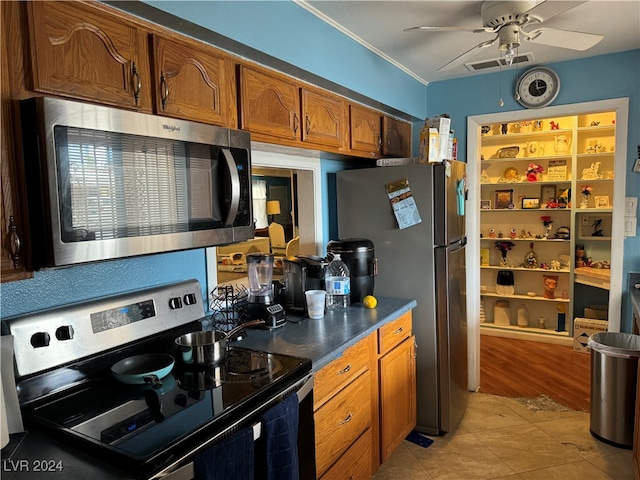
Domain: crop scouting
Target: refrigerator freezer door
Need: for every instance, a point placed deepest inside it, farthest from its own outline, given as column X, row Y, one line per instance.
column 450, row 189
column 451, row 325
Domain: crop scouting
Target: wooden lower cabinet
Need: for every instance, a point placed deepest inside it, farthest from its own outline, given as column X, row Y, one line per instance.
column 355, row 464
column 341, row 421
column 365, row 402
column 397, row 383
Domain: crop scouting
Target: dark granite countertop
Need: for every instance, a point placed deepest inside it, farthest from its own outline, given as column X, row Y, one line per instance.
column 319, row 340
column 324, row 340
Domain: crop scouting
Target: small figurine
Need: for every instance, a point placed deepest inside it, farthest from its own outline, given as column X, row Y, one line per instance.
column 591, row 173
column 512, row 233
column 505, row 128
column 550, row 284
column 554, row 125
column 523, row 234
column 492, row 233
column 500, row 235
column 555, row 265
column 595, row 124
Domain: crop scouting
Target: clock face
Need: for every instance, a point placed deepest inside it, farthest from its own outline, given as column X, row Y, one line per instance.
column 538, row 87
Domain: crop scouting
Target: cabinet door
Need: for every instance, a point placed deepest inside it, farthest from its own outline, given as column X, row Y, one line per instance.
column 341, row 420
column 396, row 137
column 79, row 51
column 365, row 130
column 12, row 221
column 355, row 463
column 397, row 396
column 324, row 118
column 269, row 104
column 193, row 82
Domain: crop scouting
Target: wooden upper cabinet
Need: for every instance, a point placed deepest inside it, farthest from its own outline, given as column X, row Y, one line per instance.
column 324, row 117
column 365, row 127
column 193, row 81
column 14, row 247
column 269, row 104
column 396, row 137
column 78, row 50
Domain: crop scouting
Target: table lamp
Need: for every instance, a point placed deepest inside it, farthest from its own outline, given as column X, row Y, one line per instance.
column 273, row 208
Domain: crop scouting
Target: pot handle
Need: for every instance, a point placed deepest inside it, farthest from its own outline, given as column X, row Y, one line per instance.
column 152, row 380
column 242, row 326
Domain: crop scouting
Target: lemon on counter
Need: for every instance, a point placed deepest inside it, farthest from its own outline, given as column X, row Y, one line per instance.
column 370, row 301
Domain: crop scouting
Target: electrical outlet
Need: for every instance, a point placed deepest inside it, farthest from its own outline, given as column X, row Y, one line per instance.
column 630, row 206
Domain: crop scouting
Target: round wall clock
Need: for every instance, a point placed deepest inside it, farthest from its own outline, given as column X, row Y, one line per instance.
column 537, row 87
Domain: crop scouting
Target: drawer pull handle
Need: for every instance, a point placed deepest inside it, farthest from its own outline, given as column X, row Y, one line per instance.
column 346, row 420
column 345, row 370
column 400, row 330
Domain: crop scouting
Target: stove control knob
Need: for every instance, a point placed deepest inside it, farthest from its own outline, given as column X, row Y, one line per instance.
column 40, row 339
column 64, row 333
column 175, row 303
column 190, row 299
column 181, row 400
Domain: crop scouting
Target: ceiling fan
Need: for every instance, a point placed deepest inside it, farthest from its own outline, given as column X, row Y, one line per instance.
column 510, row 20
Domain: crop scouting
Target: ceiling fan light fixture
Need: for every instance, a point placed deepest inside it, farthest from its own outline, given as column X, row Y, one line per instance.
column 509, row 55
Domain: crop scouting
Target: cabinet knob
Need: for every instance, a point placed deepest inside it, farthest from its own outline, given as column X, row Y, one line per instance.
column 347, row 419
column 137, row 85
column 15, row 242
column 296, row 122
column 164, row 90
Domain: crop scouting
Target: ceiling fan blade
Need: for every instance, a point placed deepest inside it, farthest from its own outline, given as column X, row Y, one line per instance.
column 549, row 9
column 450, row 29
column 460, row 59
column 563, row 38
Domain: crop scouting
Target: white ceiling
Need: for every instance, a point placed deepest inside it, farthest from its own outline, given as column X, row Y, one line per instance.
column 379, row 26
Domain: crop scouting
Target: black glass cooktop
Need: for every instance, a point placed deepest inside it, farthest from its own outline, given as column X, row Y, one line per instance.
column 141, row 423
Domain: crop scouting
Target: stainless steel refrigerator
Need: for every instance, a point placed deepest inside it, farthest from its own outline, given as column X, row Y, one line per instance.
column 424, row 261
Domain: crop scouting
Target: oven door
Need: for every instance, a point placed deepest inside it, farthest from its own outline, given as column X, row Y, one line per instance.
column 183, row 469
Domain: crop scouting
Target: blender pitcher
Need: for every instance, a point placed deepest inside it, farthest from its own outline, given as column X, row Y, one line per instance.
column 260, row 271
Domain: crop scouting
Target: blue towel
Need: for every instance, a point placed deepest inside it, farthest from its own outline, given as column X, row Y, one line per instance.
column 230, row 459
column 280, row 447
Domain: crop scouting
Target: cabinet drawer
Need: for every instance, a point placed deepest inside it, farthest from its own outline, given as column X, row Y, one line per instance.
column 355, row 464
column 332, row 378
column 394, row 333
column 341, row 421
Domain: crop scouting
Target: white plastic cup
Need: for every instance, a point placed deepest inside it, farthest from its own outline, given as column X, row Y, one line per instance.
column 315, row 303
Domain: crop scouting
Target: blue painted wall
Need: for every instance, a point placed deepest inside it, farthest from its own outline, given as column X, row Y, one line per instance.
column 585, row 80
column 288, row 32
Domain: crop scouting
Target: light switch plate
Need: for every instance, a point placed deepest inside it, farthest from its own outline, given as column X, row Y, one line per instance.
column 630, row 226
column 630, row 206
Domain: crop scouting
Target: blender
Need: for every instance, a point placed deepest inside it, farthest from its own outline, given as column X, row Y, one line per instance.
column 262, row 304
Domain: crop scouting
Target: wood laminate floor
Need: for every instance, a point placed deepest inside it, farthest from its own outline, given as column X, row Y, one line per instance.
column 521, row 368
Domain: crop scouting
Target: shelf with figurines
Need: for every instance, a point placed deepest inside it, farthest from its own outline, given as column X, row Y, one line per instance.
column 496, row 133
column 527, row 173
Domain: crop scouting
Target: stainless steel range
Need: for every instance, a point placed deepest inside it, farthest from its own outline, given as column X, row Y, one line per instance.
column 66, row 389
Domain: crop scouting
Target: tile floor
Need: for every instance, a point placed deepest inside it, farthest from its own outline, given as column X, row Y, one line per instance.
column 514, row 439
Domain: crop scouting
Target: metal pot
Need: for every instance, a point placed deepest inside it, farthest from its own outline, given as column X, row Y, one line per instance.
column 143, row 369
column 208, row 347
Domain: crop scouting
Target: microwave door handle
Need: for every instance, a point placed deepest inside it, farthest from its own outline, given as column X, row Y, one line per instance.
column 235, row 187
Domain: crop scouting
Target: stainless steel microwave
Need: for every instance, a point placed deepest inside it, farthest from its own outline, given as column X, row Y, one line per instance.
column 104, row 183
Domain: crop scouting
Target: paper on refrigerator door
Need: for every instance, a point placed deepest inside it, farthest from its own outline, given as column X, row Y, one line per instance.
column 403, row 204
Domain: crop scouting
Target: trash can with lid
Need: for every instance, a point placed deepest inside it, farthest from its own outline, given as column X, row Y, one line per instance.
column 614, row 370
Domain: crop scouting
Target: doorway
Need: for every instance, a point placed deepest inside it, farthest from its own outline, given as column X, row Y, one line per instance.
column 474, row 174
column 291, row 163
